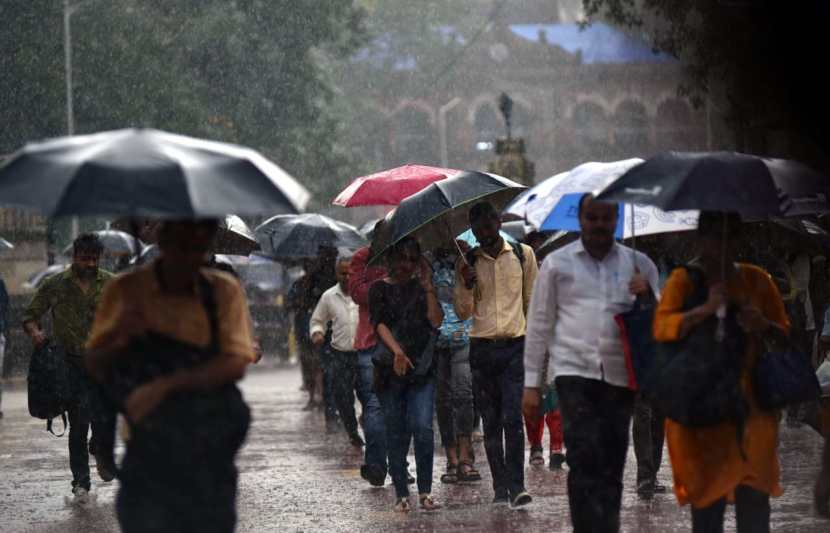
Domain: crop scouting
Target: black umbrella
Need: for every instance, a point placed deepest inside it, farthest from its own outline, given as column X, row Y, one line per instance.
column 722, row 181
column 291, row 237
column 440, row 212
column 144, row 172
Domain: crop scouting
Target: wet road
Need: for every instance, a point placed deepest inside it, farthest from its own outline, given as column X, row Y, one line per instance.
column 294, row 477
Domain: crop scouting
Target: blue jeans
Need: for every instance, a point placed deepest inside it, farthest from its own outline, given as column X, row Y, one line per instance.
column 374, row 428
column 498, row 384
column 408, row 409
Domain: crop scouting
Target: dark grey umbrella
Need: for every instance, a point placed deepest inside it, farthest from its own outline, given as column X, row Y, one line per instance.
column 723, row 181
column 34, row 281
column 145, row 172
column 291, row 237
column 234, row 237
column 440, row 212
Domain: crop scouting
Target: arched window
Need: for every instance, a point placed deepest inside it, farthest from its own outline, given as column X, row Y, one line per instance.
column 590, row 128
column 631, row 130
column 414, row 139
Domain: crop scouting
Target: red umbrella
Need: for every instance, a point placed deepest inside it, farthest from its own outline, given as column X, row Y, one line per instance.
column 389, row 187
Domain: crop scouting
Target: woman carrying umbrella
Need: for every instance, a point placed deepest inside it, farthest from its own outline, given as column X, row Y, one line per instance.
column 716, row 463
column 406, row 315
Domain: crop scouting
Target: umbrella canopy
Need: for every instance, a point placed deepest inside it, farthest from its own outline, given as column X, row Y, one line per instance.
column 722, row 181
column 145, row 172
column 438, row 213
column 470, row 238
column 5, row 245
column 536, row 203
column 389, row 187
column 234, row 237
column 115, row 243
column 34, row 281
column 646, row 220
column 148, row 253
column 288, row 237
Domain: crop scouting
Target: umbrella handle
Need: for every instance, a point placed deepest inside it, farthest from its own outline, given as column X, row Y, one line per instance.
column 460, row 253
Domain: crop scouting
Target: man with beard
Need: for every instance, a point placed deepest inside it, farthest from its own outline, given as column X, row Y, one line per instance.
column 579, row 290
column 72, row 297
column 493, row 285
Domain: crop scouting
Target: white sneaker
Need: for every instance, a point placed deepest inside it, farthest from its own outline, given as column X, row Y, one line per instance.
column 81, row 497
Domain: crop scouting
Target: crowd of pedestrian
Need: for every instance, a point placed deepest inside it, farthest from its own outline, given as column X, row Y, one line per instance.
column 456, row 333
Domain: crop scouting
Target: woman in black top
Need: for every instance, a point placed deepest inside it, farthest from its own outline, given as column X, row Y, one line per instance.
column 406, row 315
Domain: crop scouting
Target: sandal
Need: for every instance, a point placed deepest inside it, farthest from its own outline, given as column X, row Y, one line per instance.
column 402, row 505
column 427, row 503
column 467, row 473
column 451, row 477
column 537, row 457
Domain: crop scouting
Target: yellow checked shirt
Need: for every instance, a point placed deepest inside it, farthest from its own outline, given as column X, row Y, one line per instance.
column 499, row 302
column 179, row 316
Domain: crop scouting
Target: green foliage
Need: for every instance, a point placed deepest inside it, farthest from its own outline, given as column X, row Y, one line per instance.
column 248, row 71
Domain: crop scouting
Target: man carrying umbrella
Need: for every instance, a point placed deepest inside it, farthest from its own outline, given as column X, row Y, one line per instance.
column 72, row 297
column 493, row 287
column 185, row 312
column 579, row 290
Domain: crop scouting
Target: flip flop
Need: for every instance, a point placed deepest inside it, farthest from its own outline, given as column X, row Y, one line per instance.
column 451, row 476
column 467, row 473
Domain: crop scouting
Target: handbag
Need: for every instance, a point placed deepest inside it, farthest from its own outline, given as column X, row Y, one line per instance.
column 638, row 343
column 696, row 381
column 784, row 377
column 383, row 358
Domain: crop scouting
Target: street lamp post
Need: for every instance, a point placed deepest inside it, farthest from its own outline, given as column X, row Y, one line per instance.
column 68, row 9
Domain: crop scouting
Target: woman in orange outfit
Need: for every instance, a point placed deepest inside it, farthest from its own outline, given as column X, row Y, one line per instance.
column 708, row 466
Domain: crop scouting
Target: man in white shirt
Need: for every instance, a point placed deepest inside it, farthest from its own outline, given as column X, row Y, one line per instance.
column 337, row 307
column 578, row 291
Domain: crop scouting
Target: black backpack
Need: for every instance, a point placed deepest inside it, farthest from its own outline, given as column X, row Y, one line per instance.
column 48, row 385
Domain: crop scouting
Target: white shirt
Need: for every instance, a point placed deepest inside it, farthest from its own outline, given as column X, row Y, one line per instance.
column 572, row 310
column 342, row 312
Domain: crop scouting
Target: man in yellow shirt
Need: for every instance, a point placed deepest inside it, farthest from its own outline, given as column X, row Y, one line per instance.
column 198, row 310
column 493, row 286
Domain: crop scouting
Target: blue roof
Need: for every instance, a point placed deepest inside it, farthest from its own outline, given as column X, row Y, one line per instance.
column 599, row 42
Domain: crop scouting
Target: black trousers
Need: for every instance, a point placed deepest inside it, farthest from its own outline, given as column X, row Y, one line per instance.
column 751, row 513
column 498, row 383
column 596, row 418
column 343, row 370
column 88, row 408
column 648, row 432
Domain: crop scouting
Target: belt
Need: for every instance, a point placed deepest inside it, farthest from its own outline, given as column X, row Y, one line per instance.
column 349, row 353
column 497, row 342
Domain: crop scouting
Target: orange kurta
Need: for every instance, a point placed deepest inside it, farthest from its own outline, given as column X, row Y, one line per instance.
column 707, row 462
